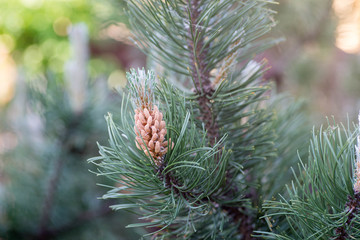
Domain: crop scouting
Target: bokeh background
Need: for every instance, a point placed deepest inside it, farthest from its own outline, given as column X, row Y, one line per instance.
column 59, row 63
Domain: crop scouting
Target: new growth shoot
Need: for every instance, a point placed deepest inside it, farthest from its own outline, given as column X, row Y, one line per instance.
column 150, row 128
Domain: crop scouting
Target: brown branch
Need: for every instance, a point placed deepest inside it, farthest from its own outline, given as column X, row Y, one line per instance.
column 239, row 213
column 236, row 213
column 200, row 74
column 171, row 182
column 205, row 89
column 353, row 206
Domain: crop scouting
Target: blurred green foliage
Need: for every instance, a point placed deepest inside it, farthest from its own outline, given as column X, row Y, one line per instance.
column 48, row 191
column 35, row 31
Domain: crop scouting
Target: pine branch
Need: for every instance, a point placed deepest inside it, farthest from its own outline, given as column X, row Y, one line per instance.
column 246, row 222
column 55, row 178
column 200, row 71
column 201, row 40
column 205, row 89
column 50, row 195
column 239, row 215
column 314, row 206
column 353, row 202
column 353, row 208
column 172, row 183
column 195, row 183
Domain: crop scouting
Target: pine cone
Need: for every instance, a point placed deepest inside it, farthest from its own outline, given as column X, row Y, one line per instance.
column 357, row 176
column 150, row 129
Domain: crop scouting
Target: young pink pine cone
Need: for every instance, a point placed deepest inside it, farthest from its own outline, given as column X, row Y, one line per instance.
column 150, row 131
column 357, row 177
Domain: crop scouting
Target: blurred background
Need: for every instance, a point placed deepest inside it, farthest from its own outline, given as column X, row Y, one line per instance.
column 60, row 60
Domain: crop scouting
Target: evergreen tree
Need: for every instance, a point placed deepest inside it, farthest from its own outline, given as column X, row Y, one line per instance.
column 199, row 146
column 48, row 192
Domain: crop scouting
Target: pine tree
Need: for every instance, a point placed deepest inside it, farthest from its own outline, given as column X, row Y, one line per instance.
column 47, row 190
column 199, row 146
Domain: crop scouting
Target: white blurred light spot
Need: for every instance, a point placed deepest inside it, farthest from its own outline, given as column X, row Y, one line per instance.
column 348, row 30
column 118, row 32
column 7, row 75
column 32, row 3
